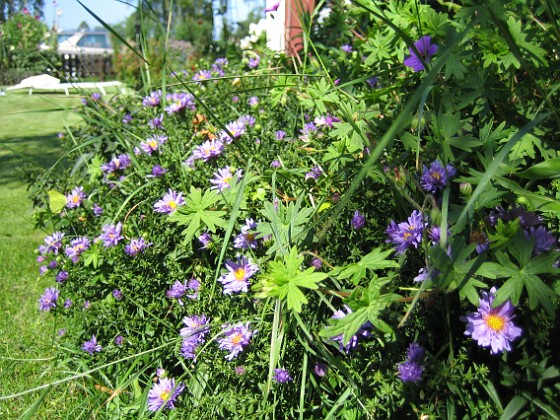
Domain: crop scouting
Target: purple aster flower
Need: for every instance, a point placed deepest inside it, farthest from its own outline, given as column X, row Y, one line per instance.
column 119, row 340
column 240, row 370
column 347, row 48
column 95, row 96
column 68, row 303
column 247, row 120
column 152, row 100
column 116, row 163
column 275, row 164
column 117, row 294
column 163, row 394
column 410, row 371
column 87, row 304
column 281, row 376
column 372, row 82
column 435, row 178
column 358, row 220
column 254, row 62
column 280, row 134
column 76, row 248
column 97, row 210
column 61, row 276
column 158, row 171
column 526, row 218
column 248, row 236
column 177, row 291
column 208, row 150
column 492, row 327
column 194, row 332
column 273, row 7
column 84, row 101
column 353, row 342
column 317, row 263
column 205, row 239
column 426, row 50
column 52, row 264
column 406, row 234
column 425, row 274
column 153, row 143
column 202, row 75
column 156, row 123
column 43, row 270
column 320, row 369
column 179, row 102
column 61, row 332
column 237, row 279
column 136, row 246
column 543, row 239
column 75, row 198
column 314, row 173
column 127, row 119
column 236, row 338
column 236, row 128
column 253, row 101
column 222, row 179
column 53, row 243
column 91, row 346
column 48, row 300
column 111, row 235
column 169, row 203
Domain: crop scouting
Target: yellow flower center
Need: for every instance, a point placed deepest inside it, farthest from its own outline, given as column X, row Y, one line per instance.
column 76, row 199
column 228, row 179
column 172, row 204
column 164, row 395
column 240, row 274
column 495, row 322
column 153, row 144
column 236, row 339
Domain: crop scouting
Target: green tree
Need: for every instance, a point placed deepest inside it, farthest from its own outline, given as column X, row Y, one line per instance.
column 10, row 7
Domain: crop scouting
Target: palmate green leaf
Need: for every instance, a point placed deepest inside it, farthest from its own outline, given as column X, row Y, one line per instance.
column 198, row 210
column 375, row 260
column 285, row 280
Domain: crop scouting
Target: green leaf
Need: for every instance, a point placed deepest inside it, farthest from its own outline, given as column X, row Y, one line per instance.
column 548, row 169
column 375, row 260
column 199, row 209
column 57, row 201
column 513, row 408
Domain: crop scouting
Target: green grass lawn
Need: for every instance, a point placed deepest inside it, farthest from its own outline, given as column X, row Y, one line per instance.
column 28, row 138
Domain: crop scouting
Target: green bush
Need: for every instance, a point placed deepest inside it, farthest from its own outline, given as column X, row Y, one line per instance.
column 353, row 213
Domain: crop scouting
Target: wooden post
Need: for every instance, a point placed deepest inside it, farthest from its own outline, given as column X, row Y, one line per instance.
column 294, row 33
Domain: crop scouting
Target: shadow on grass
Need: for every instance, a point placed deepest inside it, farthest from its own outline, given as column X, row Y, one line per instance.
column 21, row 155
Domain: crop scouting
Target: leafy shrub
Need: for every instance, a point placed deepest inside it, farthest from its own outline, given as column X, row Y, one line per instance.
column 372, row 235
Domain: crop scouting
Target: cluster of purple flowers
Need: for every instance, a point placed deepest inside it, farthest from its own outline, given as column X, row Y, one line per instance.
column 163, row 394
column 111, row 235
column 314, row 173
column 492, row 327
column 156, row 123
column 120, row 162
column 358, row 220
column 178, row 290
column 282, row 376
column 193, row 334
column 236, row 337
column 92, row 346
column 136, row 246
column 421, row 55
column 406, row 234
column 219, row 65
column 53, row 243
column 436, row 177
column 75, row 197
column 239, row 273
column 248, row 236
column 76, row 248
column 411, row 370
column 178, row 102
column 202, row 75
column 254, row 62
column 222, row 179
column 153, row 99
column 353, row 342
column 152, row 144
column 169, row 203
column 48, row 300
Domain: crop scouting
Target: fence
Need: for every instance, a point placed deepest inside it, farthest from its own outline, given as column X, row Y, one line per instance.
column 75, row 67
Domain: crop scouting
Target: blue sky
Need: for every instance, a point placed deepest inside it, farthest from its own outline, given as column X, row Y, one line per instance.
column 113, row 11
